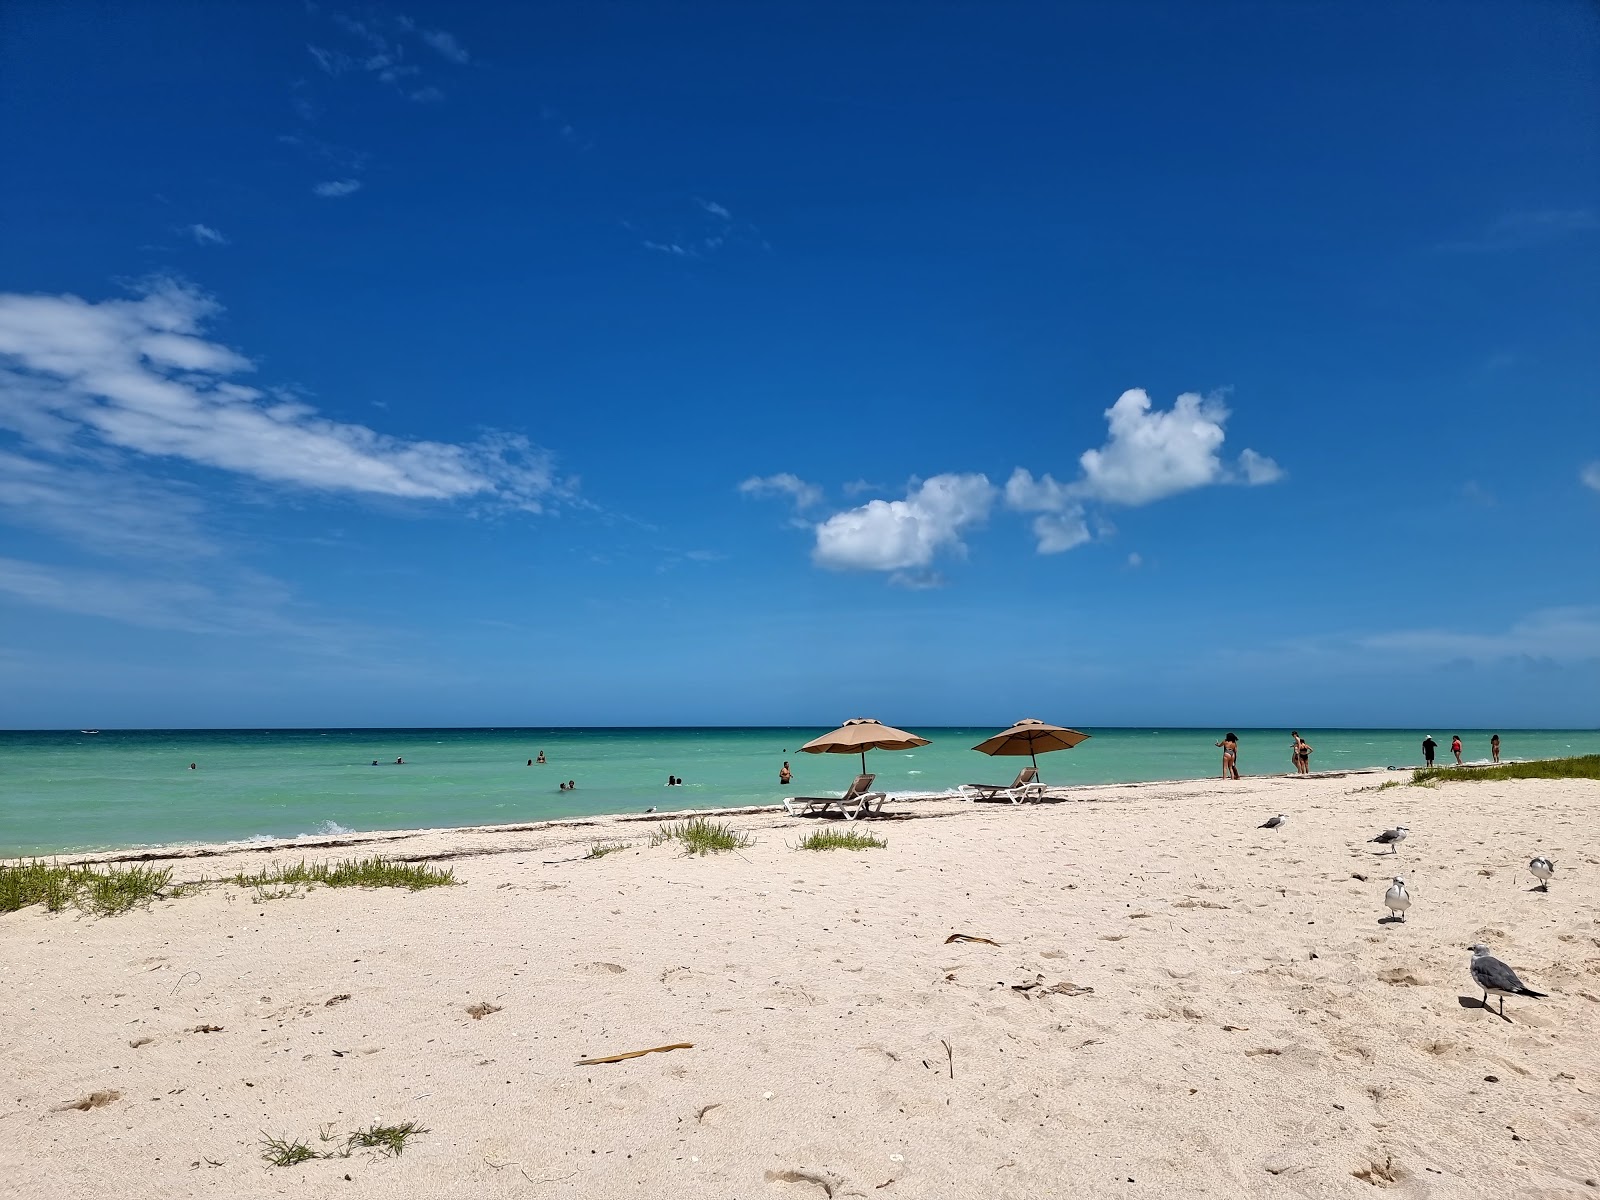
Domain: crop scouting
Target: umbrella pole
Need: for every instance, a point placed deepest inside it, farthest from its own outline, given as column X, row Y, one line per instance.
column 863, row 762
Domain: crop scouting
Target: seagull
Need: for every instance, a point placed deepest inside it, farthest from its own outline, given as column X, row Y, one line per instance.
column 1542, row 868
column 1397, row 898
column 1493, row 976
column 1277, row 822
column 1392, row 838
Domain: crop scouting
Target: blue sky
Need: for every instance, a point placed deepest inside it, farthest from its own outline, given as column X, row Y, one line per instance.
column 671, row 364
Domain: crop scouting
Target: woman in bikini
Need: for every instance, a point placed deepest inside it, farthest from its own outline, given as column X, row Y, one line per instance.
column 1230, row 755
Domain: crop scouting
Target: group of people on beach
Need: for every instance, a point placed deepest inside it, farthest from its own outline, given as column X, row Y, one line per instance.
column 1300, row 752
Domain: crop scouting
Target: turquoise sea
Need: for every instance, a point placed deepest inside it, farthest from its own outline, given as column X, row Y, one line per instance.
column 72, row 791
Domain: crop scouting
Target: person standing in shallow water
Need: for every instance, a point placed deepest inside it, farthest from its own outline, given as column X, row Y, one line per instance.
column 1494, row 748
column 1230, row 755
column 1428, row 747
column 1455, row 747
column 784, row 775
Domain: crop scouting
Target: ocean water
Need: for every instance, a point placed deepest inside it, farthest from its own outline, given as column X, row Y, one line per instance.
column 74, row 791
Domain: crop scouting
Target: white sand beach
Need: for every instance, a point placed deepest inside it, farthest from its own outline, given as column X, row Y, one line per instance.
column 1177, row 1004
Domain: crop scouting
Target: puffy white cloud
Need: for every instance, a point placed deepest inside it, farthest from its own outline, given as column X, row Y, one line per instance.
column 1060, row 525
column 1590, row 476
column 1259, row 469
column 139, row 375
column 1153, row 454
column 798, row 490
column 333, row 189
column 901, row 535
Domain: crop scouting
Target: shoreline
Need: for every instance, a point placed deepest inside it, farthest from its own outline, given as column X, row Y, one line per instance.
column 181, row 851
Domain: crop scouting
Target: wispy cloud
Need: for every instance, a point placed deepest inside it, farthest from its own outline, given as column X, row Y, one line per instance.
column 205, row 235
column 803, row 495
column 334, row 189
column 139, row 375
column 93, row 505
column 1561, row 635
column 709, row 228
column 1526, row 229
column 245, row 604
column 1589, row 476
column 378, row 46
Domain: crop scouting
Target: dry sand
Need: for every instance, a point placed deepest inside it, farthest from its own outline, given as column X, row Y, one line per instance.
column 1253, row 1029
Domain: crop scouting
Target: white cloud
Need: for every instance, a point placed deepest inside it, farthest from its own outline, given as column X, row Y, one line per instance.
column 1135, row 561
column 335, row 188
column 715, row 209
column 802, row 493
column 138, row 375
column 1152, row 455
column 899, row 535
column 1060, row 525
column 1259, row 469
column 672, row 248
column 446, row 44
column 204, row 235
column 1590, row 475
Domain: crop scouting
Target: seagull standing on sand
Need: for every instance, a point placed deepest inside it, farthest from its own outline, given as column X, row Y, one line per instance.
column 1392, row 838
column 1277, row 822
column 1397, row 898
column 1542, row 869
column 1495, row 978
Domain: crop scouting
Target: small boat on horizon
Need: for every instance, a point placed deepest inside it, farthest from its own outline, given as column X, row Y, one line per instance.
column 88, row 731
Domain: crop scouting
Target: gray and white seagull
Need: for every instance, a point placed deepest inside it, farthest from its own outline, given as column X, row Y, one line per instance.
column 1397, row 898
column 1497, row 979
column 1277, row 822
column 1542, row 869
column 1392, row 838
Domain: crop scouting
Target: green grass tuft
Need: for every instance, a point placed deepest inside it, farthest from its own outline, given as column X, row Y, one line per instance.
column 354, row 872
column 700, row 836
column 280, row 1152
column 1585, row 766
column 388, row 1140
column 101, row 892
column 841, row 839
column 601, row 849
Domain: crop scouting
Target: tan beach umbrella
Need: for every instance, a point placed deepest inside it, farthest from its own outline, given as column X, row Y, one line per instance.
column 1032, row 737
column 861, row 734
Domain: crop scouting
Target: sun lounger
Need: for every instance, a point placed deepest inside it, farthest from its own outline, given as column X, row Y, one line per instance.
column 858, row 800
column 1026, row 786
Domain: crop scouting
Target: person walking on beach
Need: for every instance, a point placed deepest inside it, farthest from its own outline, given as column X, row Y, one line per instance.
column 1299, row 754
column 1494, row 748
column 1455, row 747
column 1428, row 747
column 784, row 775
column 1230, row 755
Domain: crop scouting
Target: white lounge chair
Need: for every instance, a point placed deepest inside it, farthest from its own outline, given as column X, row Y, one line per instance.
column 858, row 800
column 1026, row 786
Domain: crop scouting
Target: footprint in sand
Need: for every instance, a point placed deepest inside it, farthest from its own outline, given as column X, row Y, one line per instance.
column 600, row 968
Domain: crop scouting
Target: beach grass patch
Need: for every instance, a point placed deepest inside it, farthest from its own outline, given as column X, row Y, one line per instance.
column 353, row 872
column 280, row 1152
column 601, row 849
column 841, row 839
column 388, row 1140
column 101, row 892
column 1583, row 766
column 700, row 836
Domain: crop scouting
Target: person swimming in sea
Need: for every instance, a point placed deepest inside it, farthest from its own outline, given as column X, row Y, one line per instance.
column 540, row 759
